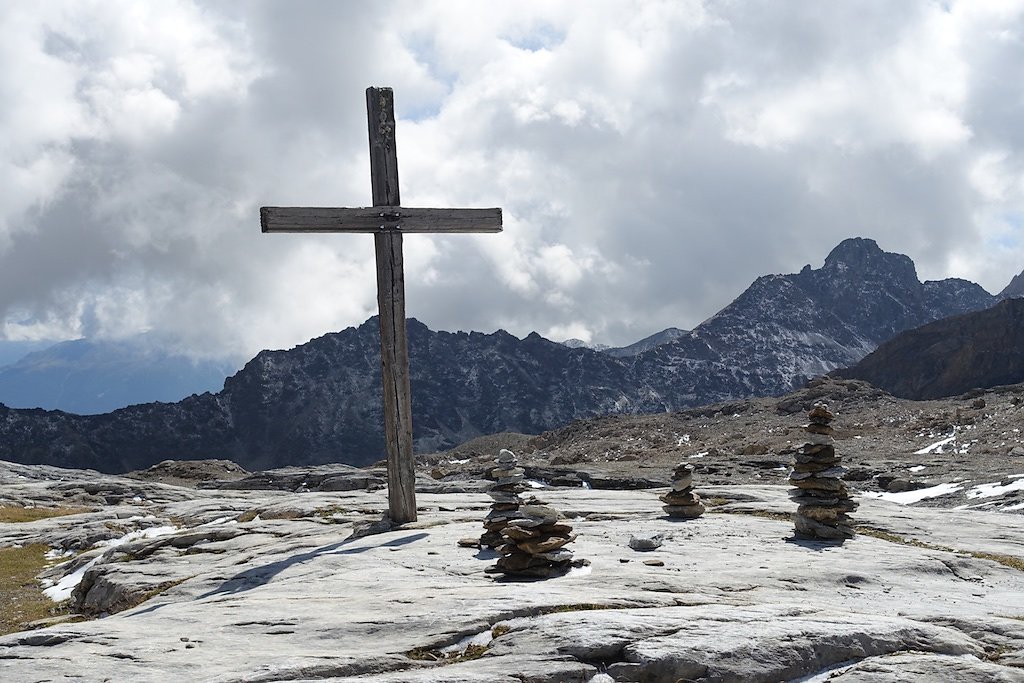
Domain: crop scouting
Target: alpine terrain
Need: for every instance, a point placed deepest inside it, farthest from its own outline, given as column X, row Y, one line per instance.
column 320, row 402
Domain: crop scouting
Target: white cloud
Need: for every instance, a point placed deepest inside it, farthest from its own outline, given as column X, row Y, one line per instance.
column 565, row 331
column 651, row 158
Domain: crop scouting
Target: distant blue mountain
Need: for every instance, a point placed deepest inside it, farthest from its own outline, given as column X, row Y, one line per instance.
column 88, row 377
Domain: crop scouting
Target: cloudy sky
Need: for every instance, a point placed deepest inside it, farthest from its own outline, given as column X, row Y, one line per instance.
column 651, row 158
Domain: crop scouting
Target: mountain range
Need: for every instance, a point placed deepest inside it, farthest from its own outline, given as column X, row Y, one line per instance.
column 320, row 402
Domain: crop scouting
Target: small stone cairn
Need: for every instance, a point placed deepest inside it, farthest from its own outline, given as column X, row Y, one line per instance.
column 535, row 543
column 681, row 502
column 508, row 484
column 821, row 495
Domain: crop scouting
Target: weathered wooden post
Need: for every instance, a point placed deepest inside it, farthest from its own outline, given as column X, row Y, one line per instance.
column 387, row 220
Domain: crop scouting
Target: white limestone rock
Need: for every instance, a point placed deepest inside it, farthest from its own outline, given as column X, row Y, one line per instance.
column 303, row 599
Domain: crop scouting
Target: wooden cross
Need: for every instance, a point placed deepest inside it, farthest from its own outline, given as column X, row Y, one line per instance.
column 387, row 219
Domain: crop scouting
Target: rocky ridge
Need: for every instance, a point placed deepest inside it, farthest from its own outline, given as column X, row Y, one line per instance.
column 320, row 402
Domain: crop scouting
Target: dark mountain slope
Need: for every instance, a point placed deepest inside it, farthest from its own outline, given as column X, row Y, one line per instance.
column 1015, row 288
column 950, row 356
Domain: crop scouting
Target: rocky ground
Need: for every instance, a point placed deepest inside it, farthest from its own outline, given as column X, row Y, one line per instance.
column 201, row 571
column 971, row 444
column 257, row 583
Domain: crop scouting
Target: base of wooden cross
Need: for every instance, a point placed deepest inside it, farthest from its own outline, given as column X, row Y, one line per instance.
column 394, row 358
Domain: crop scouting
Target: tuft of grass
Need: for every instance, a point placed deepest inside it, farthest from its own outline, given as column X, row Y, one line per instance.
column 23, row 601
column 766, row 514
column 328, row 513
column 994, row 654
column 13, row 513
column 426, row 654
column 893, row 538
column 1010, row 561
column 248, row 515
column 715, row 502
column 499, row 630
column 1005, row 560
column 577, row 607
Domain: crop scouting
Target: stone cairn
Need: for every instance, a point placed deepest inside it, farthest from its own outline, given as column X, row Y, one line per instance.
column 527, row 534
column 821, row 495
column 534, row 544
column 681, row 502
column 505, row 490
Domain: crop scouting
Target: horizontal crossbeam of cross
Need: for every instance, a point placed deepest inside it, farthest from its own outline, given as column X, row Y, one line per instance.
column 378, row 219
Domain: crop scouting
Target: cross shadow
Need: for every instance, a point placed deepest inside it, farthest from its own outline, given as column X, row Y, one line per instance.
column 260, row 576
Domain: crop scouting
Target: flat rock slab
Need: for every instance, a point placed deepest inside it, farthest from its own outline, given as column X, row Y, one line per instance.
column 276, row 586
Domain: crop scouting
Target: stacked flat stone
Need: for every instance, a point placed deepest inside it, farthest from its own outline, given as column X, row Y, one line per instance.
column 534, row 544
column 681, row 501
column 508, row 484
column 821, row 495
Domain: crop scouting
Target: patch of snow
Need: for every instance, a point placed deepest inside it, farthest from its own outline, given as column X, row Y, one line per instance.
column 826, row 674
column 54, row 554
column 995, row 489
column 858, row 436
column 481, row 639
column 219, row 520
column 141, row 518
column 151, row 532
column 586, row 485
column 915, row 468
column 534, row 484
column 699, row 455
column 911, row 497
column 936, row 447
column 61, row 591
column 1010, row 508
column 458, row 462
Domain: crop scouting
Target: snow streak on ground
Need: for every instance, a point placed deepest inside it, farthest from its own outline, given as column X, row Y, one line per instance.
column 935, row 447
column 910, row 497
column 995, row 488
column 62, row 589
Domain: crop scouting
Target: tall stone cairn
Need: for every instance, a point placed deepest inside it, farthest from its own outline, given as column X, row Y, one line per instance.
column 821, row 495
column 534, row 544
column 508, row 484
column 681, row 502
